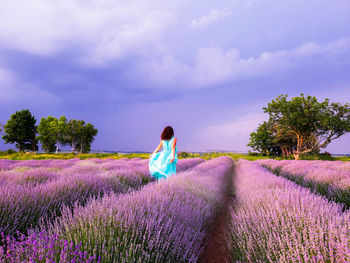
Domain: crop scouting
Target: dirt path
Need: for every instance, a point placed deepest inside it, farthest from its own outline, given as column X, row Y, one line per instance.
column 217, row 250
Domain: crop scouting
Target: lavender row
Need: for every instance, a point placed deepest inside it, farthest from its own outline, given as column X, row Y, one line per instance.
column 59, row 164
column 164, row 222
column 331, row 165
column 275, row 220
column 330, row 180
column 35, row 194
column 184, row 164
column 29, row 195
column 337, row 165
column 35, row 173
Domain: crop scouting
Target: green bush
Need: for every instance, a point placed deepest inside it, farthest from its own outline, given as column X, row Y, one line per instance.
column 11, row 151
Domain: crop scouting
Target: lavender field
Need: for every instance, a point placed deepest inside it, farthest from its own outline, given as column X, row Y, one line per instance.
column 328, row 178
column 106, row 210
column 275, row 220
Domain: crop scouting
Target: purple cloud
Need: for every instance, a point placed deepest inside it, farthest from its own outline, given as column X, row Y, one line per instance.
column 206, row 68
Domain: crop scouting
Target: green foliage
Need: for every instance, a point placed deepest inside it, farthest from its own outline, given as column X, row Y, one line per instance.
column 21, row 129
column 184, row 155
column 48, row 133
column 319, row 156
column 263, row 140
column 10, row 151
column 300, row 114
column 7, row 153
column 72, row 132
column 80, row 135
column 62, row 130
column 88, row 132
column 301, row 125
column 52, row 133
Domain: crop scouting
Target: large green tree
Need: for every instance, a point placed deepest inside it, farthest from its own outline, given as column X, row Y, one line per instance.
column 312, row 124
column 88, row 132
column 21, row 129
column 52, row 133
column 80, row 135
column 47, row 131
column 72, row 133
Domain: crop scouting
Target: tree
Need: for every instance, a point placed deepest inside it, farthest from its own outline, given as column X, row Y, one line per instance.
column 62, row 130
column 52, row 133
column 312, row 124
column 262, row 140
column 284, row 139
column 80, row 135
column 88, row 132
column 21, row 129
column 48, row 133
column 73, row 132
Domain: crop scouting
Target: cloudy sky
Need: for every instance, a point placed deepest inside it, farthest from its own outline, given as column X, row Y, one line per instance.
column 205, row 67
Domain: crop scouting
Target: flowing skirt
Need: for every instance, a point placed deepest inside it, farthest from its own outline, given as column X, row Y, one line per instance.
column 160, row 166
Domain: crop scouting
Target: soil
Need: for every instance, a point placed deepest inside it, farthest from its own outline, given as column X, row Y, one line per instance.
column 217, row 250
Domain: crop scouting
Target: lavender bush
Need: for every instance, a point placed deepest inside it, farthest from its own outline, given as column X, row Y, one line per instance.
column 33, row 191
column 58, row 163
column 184, row 164
column 275, row 220
column 164, row 222
column 331, row 179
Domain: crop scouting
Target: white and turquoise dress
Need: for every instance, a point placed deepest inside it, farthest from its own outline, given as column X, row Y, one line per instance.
column 159, row 163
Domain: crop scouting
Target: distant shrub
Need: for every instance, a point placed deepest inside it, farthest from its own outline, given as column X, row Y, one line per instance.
column 318, row 156
column 8, row 152
column 326, row 156
column 183, row 155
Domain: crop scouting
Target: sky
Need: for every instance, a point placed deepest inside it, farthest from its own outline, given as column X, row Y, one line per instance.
column 207, row 68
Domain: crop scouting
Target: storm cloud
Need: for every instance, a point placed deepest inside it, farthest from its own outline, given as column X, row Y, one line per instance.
column 207, row 69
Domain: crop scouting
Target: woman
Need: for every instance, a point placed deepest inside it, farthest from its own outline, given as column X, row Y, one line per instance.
column 163, row 164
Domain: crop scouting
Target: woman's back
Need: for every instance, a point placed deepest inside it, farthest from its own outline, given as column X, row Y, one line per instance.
column 163, row 164
column 167, row 144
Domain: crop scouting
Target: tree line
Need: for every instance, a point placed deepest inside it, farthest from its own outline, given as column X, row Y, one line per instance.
column 301, row 125
column 52, row 133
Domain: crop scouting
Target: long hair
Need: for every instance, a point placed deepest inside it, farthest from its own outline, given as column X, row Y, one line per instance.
column 167, row 133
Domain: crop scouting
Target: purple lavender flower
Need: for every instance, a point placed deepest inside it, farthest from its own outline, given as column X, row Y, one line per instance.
column 331, row 179
column 163, row 222
column 275, row 220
